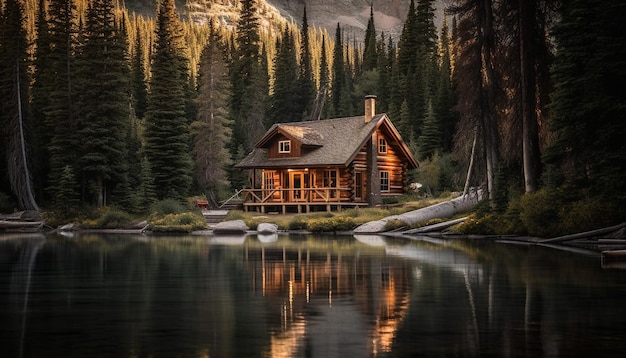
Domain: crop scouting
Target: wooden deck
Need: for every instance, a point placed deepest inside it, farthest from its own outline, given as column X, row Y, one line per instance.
column 302, row 200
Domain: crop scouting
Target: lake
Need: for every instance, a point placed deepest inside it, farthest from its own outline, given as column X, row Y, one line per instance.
column 98, row 295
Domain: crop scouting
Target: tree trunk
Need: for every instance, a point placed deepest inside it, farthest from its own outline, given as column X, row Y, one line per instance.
column 25, row 192
column 530, row 130
column 489, row 121
column 470, row 168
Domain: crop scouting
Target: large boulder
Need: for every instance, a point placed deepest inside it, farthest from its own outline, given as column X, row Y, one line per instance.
column 267, row 228
column 230, row 227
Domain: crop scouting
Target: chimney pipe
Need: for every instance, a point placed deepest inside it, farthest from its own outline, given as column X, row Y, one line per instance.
column 370, row 107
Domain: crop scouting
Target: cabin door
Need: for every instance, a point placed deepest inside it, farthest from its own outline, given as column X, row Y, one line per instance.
column 297, row 184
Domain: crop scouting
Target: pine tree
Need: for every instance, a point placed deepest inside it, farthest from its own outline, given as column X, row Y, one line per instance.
column 102, row 81
column 407, row 45
column 338, row 75
column 589, row 100
column 249, row 82
column 370, row 55
column 15, row 117
column 167, row 133
column 477, row 84
column 305, row 85
column 140, row 92
column 285, row 103
column 43, row 80
column 60, row 117
column 211, row 131
column 444, row 100
column 430, row 140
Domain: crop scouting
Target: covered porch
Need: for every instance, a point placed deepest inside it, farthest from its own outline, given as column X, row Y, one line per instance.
column 303, row 190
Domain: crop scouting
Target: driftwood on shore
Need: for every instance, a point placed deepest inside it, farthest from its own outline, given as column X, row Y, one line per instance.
column 586, row 234
column 21, row 221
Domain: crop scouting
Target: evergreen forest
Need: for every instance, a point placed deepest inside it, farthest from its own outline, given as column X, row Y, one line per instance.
column 104, row 107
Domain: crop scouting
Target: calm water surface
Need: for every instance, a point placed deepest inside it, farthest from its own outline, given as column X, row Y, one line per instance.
column 303, row 296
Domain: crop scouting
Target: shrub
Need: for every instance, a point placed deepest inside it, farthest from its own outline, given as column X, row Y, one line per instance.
column 539, row 213
column 587, row 214
column 182, row 222
column 112, row 218
column 297, row 224
column 339, row 223
column 389, row 200
column 167, row 206
column 477, row 225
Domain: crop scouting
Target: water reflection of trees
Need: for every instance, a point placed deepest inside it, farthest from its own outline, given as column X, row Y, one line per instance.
column 195, row 296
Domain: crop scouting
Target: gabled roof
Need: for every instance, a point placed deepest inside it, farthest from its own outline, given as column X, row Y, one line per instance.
column 334, row 142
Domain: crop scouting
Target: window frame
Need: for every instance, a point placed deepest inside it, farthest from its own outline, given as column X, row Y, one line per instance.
column 382, row 145
column 268, row 179
column 282, row 144
column 385, row 181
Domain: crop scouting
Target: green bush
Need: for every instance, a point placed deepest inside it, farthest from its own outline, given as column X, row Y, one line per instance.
column 339, row 223
column 183, row 222
column 389, row 200
column 167, row 206
column 113, row 218
column 474, row 225
column 587, row 214
column 297, row 224
column 539, row 214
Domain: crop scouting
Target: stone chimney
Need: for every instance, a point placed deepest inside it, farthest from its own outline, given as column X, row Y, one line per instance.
column 370, row 107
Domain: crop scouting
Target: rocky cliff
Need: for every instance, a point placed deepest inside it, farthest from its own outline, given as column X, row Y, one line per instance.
column 352, row 15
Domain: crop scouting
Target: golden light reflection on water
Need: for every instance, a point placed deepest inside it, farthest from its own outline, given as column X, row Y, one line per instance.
column 300, row 277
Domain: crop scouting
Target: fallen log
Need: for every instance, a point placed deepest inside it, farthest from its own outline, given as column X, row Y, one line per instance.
column 435, row 227
column 586, row 234
column 445, row 209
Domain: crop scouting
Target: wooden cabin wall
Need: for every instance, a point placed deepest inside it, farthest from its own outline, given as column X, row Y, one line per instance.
column 390, row 162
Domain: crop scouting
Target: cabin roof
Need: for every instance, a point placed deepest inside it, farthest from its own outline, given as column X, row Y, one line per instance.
column 331, row 142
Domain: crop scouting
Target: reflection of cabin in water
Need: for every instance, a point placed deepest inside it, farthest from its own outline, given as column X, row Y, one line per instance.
column 369, row 295
column 327, row 164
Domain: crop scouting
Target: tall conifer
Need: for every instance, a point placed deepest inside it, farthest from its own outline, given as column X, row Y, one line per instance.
column 338, row 74
column 370, row 55
column 102, row 81
column 211, row 130
column 306, row 84
column 285, row 103
column 139, row 90
column 167, row 137
column 249, row 82
column 59, row 113
column 589, row 100
column 15, row 115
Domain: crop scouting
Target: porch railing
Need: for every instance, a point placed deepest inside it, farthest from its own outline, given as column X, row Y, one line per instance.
column 292, row 195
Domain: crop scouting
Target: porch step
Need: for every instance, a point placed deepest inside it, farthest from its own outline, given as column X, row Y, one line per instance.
column 233, row 204
column 214, row 216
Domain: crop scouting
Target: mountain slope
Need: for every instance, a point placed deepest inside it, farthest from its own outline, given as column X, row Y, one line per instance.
column 352, row 15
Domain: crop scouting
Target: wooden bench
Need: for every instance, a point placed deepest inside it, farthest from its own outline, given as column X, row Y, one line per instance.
column 202, row 204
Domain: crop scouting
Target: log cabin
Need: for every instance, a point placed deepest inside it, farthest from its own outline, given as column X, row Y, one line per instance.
column 327, row 165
